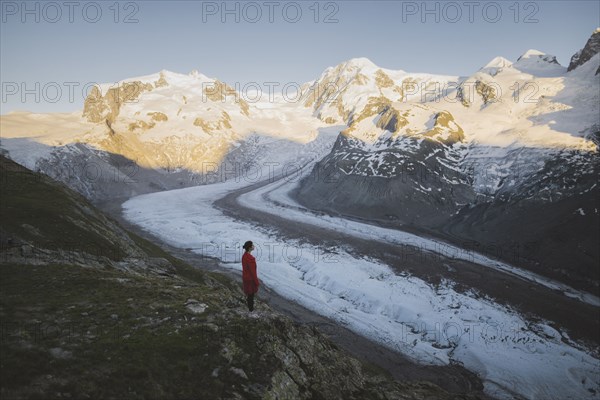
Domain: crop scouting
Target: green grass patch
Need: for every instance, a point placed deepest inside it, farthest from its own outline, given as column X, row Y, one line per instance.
column 48, row 215
column 105, row 333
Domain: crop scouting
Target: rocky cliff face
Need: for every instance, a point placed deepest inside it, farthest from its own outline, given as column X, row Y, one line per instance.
column 391, row 173
column 591, row 48
column 484, row 92
column 106, row 108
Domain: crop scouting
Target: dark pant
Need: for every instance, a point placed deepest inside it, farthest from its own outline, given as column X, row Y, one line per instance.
column 250, row 301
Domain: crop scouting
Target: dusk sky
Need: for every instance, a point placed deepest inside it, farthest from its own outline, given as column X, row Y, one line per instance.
column 276, row 41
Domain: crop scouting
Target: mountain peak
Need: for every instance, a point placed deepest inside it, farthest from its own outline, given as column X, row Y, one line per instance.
column 537, row 56
column 498, row 62
column 538, row 63
column 351, row 68
column 496, row 65
column 360, row 62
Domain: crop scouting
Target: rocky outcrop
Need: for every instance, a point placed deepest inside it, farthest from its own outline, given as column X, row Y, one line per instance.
column 220, row 92
column 383, row 80
column 94, row 108
column 374, row 106
column 211, row 126
column 162, row 81
column 158, row 116
column 141, row 125
column 591, row 48
column 320, row 93
column 391, row 120
column 445, row 129
column 467, row 91
column 99, row 108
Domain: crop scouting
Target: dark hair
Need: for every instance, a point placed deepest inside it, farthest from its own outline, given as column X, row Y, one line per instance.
column 247, row 245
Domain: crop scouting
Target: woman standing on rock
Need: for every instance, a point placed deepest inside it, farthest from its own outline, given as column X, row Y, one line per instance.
column 249, row 276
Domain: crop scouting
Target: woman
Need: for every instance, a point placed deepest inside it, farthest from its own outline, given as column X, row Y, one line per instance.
column 249, row 276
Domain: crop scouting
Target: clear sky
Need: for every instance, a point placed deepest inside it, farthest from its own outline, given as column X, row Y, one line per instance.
column 63, row 45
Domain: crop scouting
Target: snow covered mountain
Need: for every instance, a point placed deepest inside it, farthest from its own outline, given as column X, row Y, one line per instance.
column 158, row 132
column 481, row 159
column 467, row 158
column 504, row 113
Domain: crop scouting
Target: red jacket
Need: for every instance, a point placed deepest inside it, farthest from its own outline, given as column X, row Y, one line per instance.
column 249, row 275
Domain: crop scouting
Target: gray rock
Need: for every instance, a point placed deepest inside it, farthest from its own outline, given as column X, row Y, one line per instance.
column 591, row 48
column 238, row 371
